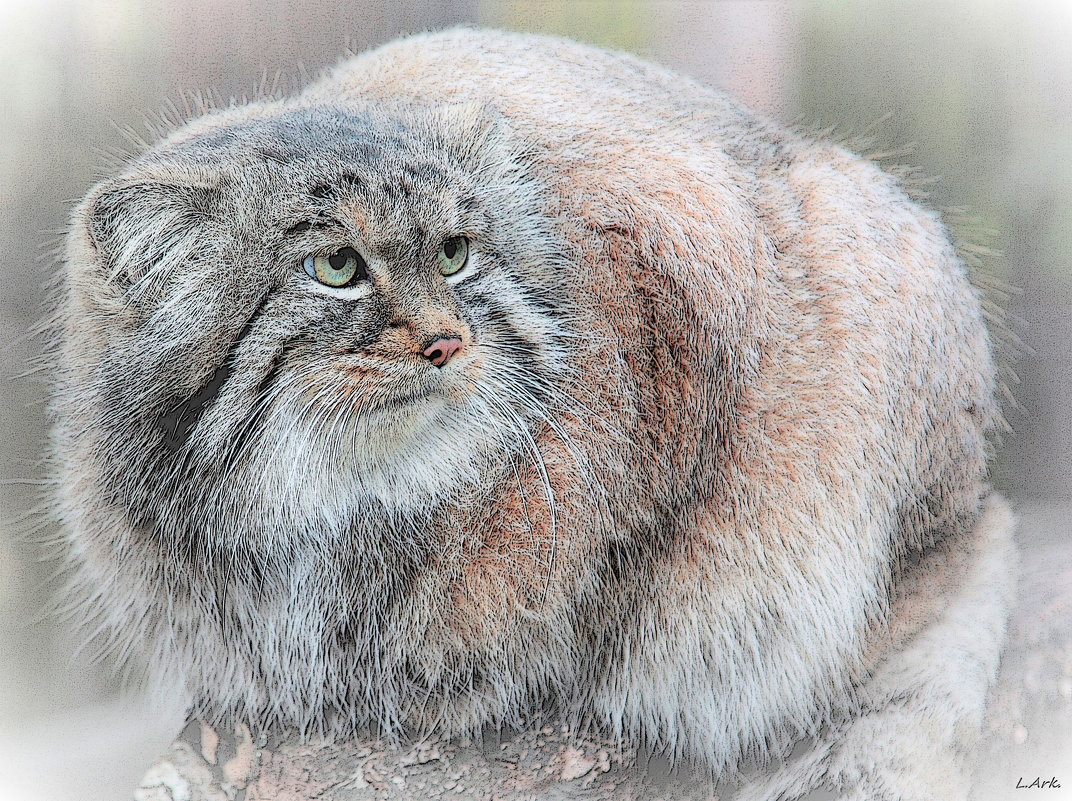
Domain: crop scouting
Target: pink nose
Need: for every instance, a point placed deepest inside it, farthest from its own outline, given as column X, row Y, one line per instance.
column 441, row 351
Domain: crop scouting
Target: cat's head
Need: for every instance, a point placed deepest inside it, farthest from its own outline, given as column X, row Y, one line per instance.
column 295, row 314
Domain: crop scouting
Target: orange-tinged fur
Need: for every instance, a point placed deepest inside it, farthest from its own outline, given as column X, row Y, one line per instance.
column 766, row 381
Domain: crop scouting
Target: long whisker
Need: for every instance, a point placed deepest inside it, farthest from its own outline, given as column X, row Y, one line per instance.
column 520, row 428
column 504, row 384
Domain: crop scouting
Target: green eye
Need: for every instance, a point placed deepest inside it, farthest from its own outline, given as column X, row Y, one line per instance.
column 343, row 267
column 453, row 254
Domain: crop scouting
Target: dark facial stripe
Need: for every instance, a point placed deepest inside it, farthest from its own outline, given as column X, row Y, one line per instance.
column 178, row 423
column 251, row 423
column 523, row 349
column 521, row 353
column 289, row 344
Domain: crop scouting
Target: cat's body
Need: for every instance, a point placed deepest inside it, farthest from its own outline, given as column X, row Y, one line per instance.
column 712, row 382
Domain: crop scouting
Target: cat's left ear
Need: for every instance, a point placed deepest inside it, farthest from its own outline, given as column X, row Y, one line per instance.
column 472, row 132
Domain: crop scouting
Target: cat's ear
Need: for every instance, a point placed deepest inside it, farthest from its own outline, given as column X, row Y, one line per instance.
column 472, row 132
column 137, row 226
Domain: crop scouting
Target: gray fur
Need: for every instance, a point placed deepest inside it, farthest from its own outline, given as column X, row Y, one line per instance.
column 717, row 381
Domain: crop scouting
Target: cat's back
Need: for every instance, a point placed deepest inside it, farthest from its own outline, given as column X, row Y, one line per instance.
column 798, row 281
column 592, row 118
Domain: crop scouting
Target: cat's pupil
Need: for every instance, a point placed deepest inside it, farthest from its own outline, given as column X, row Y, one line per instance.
column 450, row 248
column 337, row 260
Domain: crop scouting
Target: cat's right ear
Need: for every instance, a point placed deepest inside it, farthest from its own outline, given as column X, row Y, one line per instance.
column 140, row 226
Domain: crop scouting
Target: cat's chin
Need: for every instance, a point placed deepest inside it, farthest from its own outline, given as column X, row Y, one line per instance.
column 411, row 455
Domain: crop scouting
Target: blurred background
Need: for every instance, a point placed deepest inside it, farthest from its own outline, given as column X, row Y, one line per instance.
column 972, row 95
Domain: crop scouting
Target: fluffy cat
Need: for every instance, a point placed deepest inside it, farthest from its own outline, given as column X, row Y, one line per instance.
column 495, row 374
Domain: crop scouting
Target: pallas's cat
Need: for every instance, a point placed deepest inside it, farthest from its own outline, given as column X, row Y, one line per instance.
column 493, row 374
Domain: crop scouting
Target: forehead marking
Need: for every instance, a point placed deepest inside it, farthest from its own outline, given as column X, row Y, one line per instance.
column 272, row 154
column 298, row 228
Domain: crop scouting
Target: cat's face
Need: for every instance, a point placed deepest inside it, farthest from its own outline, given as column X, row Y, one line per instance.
column 310, row 312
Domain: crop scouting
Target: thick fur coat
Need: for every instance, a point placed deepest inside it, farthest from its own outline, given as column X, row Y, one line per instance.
column 719, row 391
